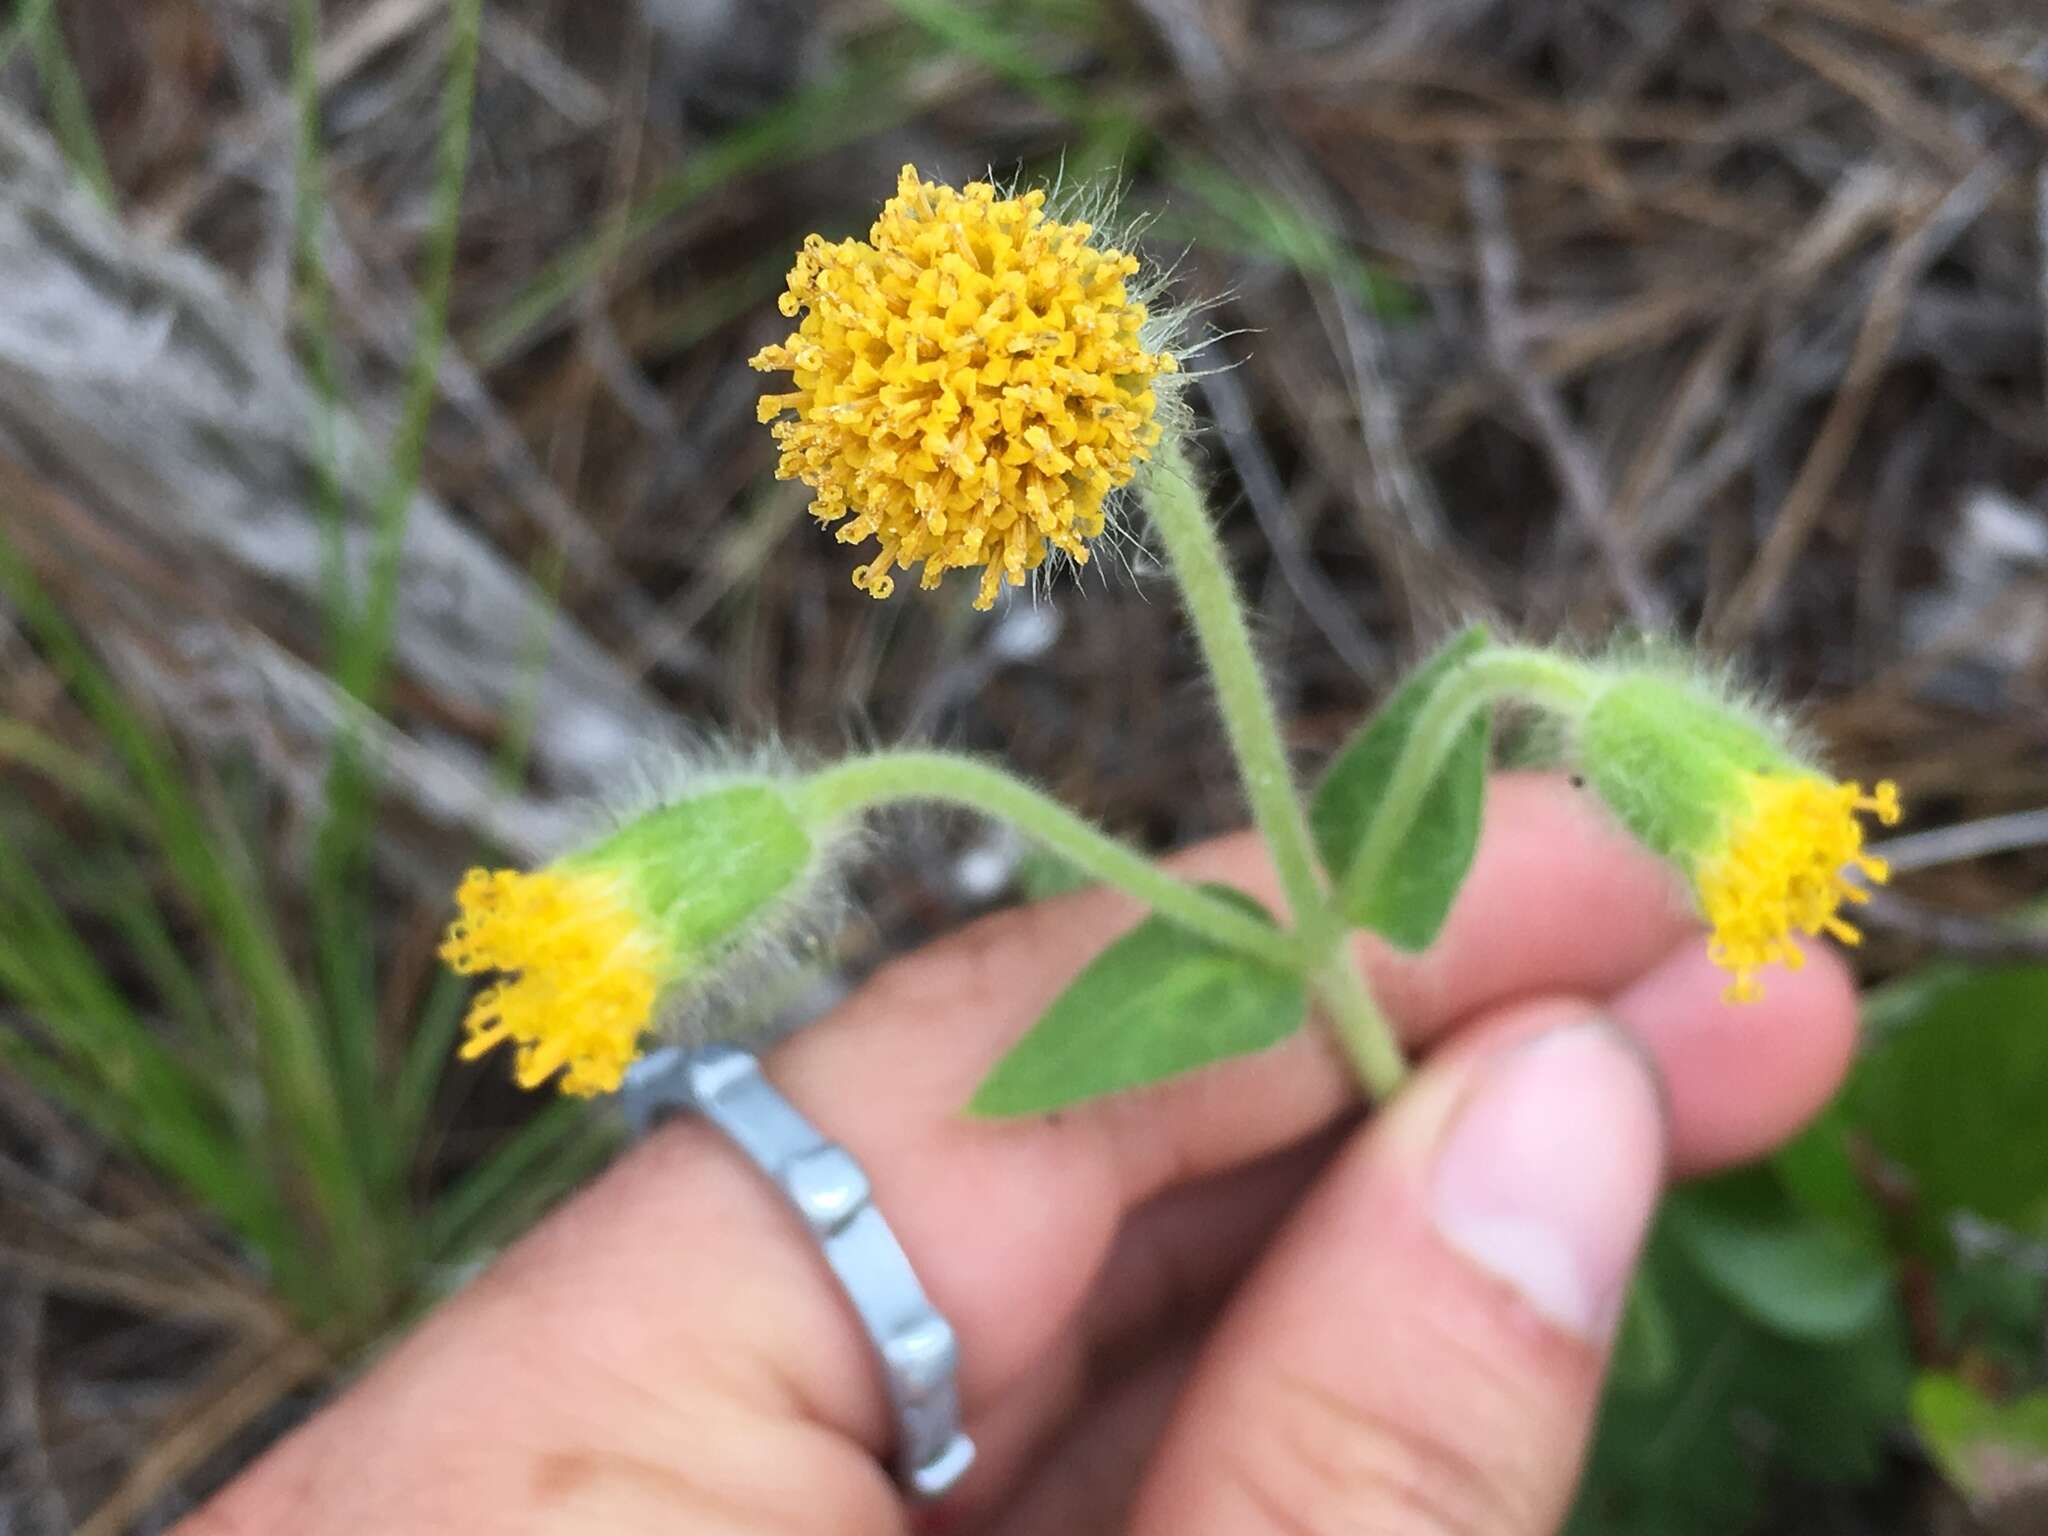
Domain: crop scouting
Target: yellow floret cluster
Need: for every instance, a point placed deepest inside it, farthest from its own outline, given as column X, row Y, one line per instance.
column 970, row 384
column 585, row 973
column 1782, row 867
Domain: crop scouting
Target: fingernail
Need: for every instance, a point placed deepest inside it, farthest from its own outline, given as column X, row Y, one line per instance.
column 1550, row 1173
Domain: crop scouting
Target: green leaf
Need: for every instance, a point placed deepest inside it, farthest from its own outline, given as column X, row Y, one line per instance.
column 1953, row 1094
column 1817, row 1171
column 1692, row 1450
column 1983, row 1447
column 1409, row 906
column 1991, row 1307
column 1646, row 1348
column 1787, row 1272
column 1158, row 1002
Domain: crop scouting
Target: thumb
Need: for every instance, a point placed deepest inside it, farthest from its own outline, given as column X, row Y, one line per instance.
column 1421, row 1352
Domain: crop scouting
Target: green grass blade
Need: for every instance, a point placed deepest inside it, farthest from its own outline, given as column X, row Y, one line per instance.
column 362, row 667
column 166, row 1114
column 70, row 112
column 1004, row 51
column 27, row 17
column 121, row 893
column 1245, row 220
column 343, row 944
column 77, row 775
column 342, row 872
column 866, row 100
column 535, row 1166
column 209, row 864
column 54, row 1077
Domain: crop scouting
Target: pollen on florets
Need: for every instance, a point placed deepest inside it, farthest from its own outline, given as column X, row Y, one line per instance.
column 1782, row 866
column 972, row 382
column 584, row 971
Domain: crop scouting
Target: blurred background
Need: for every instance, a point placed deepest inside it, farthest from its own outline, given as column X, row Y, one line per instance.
column 380, row 485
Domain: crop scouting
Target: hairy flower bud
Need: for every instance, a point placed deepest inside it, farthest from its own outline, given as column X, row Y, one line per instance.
column 594, row 943
column 1767, row 841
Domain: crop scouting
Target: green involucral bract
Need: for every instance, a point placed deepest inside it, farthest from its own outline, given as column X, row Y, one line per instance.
column 701, row 869
column 588, row 948
column 1668, row 758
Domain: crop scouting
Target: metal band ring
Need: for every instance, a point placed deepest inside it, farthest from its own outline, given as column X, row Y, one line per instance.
column 827, row 1188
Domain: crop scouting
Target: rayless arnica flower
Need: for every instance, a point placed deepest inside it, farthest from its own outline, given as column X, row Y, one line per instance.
column 971, row 384
column 1772, row 846
column 591, row 946
column 973, row 387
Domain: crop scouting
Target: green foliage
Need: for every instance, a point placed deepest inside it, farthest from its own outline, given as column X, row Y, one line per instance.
column 1797, row 1277
column 152, row 988
column 1409, row 906
column 1236, row 216
column 706, row 865
column 1710, row 1400
column 1958, row 1091
column 154, row 979
column 1981, row 1443
column 64, row 92
column 994, row 40
column 1765, row 1341
column 1158, row 1002
column 1991, row 1310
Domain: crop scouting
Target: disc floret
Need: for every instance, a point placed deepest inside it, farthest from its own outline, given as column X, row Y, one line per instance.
column 1783, row 866
column 584, row 969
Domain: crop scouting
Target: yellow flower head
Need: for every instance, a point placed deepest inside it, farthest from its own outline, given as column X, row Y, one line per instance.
column 585, row 970
column 1718, row 786
column 971, row 381
column 1782, row 866
column 594, row 942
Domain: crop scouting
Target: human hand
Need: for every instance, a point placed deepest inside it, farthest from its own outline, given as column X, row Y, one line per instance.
column 1222, row 1305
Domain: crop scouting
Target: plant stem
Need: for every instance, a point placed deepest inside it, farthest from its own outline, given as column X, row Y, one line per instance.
column 1563, row 687
column 1365, row 1033
column 1194, row 553
column 1180, row 513
column 857, row 784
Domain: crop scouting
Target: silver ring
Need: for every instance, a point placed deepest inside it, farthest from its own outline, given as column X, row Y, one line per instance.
column 914, row 1344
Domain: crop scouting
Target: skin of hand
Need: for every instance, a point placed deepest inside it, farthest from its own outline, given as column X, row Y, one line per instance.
column 1228, row 1304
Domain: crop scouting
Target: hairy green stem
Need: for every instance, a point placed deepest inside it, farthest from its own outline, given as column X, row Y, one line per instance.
column 860, row 783
column 1563, row 687
column 1180, row 513
column 1363, row 1030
